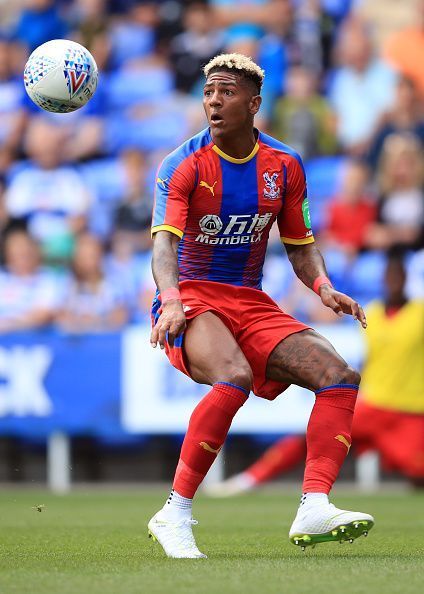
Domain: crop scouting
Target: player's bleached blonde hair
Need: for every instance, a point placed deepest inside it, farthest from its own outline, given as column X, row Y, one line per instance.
column 240, row 63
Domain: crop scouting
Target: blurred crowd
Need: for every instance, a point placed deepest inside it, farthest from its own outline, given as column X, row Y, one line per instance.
column 344, row 86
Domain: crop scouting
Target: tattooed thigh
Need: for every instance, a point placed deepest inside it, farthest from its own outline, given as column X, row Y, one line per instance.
column 309, row 360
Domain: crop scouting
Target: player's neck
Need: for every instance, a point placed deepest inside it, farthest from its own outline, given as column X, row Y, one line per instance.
column 395, row 301
column 238, row 145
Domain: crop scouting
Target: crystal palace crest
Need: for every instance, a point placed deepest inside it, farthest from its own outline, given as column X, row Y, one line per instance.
column 271, row 191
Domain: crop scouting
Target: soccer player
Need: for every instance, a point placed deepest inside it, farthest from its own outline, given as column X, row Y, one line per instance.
column 216, row 199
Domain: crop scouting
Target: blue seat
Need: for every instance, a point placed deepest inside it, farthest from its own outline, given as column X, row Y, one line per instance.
column 106, row 182
column 130, row 41
column 105, row 178
column 132, row 87
column 161, row 131
column 323, row 175
column 367, row 277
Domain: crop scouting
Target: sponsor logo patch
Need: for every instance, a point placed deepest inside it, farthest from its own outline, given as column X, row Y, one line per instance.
column 306, row 213
column 239, row 229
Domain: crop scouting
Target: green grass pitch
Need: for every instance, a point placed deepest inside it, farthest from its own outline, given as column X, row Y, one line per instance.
column 96, row 542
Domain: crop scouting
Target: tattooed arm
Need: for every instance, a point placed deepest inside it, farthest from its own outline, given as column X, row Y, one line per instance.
column 172, row 320
column 165, row 260
column 308, row 264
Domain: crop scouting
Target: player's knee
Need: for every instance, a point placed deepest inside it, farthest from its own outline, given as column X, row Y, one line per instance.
column 241, row 376
column 343, row 374
column 351, row 376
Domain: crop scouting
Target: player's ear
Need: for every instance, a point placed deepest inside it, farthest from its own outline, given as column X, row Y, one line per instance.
column 255, row 103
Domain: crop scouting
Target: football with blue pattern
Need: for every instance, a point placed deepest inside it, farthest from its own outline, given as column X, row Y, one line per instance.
column 60, row 76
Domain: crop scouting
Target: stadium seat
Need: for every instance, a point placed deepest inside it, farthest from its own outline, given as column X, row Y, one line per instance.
column 366, row 277
column 130, row 41
column 323, row 175
column 105, row 178
column 164, row 130
column 132, row 87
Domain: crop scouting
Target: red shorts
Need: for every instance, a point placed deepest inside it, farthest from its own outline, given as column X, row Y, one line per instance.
column 253, row 318
column 397, row 436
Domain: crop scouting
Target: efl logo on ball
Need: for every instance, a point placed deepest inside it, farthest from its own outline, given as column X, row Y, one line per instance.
column 76, row 77
column 60, row 76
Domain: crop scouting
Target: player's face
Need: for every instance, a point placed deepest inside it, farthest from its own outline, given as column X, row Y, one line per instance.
column 395, row 278
column 229, row 103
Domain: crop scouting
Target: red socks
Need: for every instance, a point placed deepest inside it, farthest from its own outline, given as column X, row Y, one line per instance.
column 282, row 456
column 328, row 439
column 328, row 436
column 206, row 433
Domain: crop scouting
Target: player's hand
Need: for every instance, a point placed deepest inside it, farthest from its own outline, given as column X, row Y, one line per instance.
column 342, row 304
column 172, row 320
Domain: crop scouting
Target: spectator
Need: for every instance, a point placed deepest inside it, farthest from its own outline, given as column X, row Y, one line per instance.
column 406, row 115
column 134, row 211
column 265, row 29
column 277, row 49
column 385, row 19
column 39, row 22
column 400, row 218
column 9, row 12
column 91, row 28
column 405, row 49
column 28, row 294
column 90, row 19
column 12, row 115
column 194, row 47
column 130, row 270
column 141, row 107
column 94, row 303
column 302, row 118
column 250, row 19
column 351, row 212
column 308, row 24
column 49, row 195
column 133, row 35
column 244, row 19
column 360, row 75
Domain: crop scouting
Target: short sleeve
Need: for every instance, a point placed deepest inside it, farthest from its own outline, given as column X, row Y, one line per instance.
column 175, row 180
column 294, row 220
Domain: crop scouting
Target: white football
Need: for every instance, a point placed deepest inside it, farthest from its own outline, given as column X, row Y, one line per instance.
column 60, row 76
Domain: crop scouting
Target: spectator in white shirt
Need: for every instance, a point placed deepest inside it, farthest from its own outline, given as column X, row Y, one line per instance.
column 28, row 294
column 47, row 194
column 362, row 89
column 94, row 302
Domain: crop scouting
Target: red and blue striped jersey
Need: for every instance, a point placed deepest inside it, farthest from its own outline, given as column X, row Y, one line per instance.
column 223, row 208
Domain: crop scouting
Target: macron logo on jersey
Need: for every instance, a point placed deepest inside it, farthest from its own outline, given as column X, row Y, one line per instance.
column 244, row 228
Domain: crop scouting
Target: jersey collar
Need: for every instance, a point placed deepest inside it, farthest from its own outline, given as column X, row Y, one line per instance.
column 233, row 159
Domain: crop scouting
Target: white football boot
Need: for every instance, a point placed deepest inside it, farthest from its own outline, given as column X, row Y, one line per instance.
column 176, row 538
column 323, row 522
